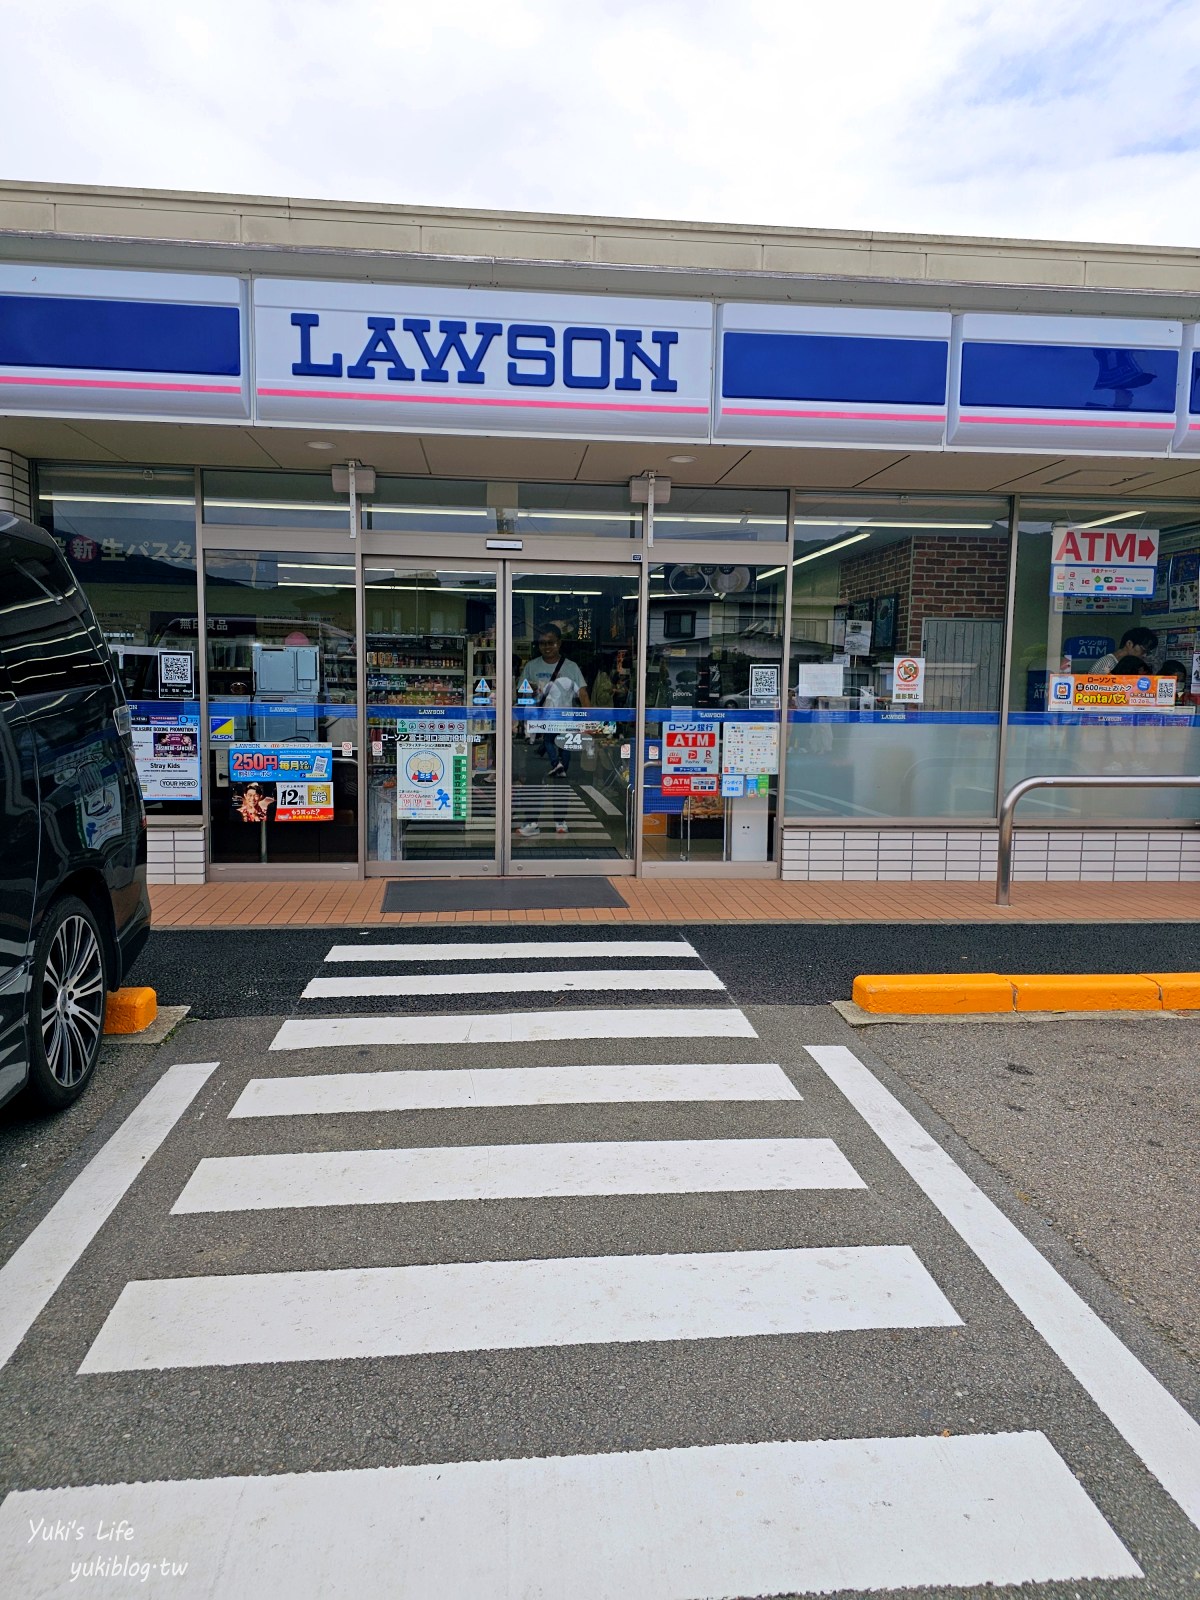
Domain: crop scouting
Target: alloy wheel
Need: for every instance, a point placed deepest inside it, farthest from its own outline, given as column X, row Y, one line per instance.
column 72, row 1001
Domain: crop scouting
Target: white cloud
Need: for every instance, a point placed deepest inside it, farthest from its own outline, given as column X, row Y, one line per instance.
column 1052, row 118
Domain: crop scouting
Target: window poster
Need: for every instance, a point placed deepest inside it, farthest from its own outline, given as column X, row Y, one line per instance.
column 751, row 748
column 432, row 773
column 280, row 782
column 689, row 748
column 908, row 680
column 166, row 750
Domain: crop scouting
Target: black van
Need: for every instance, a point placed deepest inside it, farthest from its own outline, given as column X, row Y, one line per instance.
column 74, row 911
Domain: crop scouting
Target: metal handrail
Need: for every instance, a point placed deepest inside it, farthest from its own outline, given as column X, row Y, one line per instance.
column 1019, row 790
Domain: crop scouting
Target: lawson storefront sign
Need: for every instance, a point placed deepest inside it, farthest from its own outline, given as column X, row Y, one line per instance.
column 86, row 342
column 479, row 360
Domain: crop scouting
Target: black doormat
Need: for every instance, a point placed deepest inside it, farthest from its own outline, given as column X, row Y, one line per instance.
column 500, row 894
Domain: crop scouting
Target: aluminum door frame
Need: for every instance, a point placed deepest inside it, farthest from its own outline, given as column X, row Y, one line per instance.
column 631, row 571
column 422, row 560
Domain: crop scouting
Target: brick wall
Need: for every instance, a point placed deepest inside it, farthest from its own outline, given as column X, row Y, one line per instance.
column 14, row 483
column 952, row 577
column 884, row 571
column 956, row 578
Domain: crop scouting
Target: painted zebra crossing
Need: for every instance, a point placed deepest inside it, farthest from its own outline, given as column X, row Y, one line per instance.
column 755, row 1515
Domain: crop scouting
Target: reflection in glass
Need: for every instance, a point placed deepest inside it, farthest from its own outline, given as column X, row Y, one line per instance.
column 282, row 680
column 129, row 537
column 713, row 665
column 877, row 579
column 431, row 714
column 1077, row 635
column 574, row 650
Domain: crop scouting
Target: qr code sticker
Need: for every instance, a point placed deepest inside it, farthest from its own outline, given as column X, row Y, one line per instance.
column 175, row 670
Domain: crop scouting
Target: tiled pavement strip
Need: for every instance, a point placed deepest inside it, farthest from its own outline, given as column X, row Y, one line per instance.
column 689, row 900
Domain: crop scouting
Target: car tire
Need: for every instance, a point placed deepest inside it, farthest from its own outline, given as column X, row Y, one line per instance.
column 67, row 996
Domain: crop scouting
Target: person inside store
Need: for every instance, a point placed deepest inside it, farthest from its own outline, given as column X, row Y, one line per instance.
column 557, row 684
column 1128, row 666
column 1139, row 642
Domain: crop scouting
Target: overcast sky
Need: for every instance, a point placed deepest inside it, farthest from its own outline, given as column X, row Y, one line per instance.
column 1074, row 119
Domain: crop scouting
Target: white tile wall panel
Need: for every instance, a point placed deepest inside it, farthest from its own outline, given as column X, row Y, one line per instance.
column 963, row 855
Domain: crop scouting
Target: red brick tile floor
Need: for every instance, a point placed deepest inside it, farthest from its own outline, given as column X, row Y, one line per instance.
column 688, row 900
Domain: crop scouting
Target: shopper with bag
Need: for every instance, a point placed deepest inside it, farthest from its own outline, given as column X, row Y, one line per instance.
column 557, row 685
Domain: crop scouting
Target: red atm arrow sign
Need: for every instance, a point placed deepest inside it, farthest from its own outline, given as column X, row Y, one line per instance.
column 1104, row 547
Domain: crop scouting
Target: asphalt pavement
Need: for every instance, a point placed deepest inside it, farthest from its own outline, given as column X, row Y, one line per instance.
column 260, row 971
column 687, row 1271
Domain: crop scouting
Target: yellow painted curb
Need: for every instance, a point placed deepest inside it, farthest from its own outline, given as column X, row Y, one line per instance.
column 1102, row 991
column 918, row 994
column 933, row 993
column 1180, row 990
column 130, row 1010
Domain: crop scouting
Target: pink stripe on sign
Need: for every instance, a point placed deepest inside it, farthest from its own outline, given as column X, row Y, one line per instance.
column 123, row 383
column 1072, row 422
column 835, row 416
column 481, row 400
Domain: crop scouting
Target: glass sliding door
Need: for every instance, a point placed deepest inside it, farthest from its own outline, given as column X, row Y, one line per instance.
column 714, row 659
column 431, row 693
column 571, row 656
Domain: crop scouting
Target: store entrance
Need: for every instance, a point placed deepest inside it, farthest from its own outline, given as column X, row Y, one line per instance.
column 501, row 707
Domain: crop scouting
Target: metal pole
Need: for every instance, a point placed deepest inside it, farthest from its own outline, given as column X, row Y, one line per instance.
column 1019, row 790
column 637, row 767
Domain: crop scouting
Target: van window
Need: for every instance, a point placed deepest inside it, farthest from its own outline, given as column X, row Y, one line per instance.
column 48, row 639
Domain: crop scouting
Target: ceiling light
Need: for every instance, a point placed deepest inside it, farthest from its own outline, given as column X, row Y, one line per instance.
column 827, row 549
column 319, row 444
column 681, row 461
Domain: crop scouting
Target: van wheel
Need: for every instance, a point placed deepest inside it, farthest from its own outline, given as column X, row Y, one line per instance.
column 68, row 993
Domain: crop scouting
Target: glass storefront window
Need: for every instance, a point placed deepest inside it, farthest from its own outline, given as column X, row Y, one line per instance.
column 130, row 538
column 722, row 515
column 898, row 623
column 714, row 655
column 282, row 688
column 431, row 714
column 274, row 500
column 1063, row 717
column 580, row 510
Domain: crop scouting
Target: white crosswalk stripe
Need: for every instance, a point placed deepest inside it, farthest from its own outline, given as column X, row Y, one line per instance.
column 513, row 1172
column 446, row 1088
column 319, row 1033
column 536, row 982
column 735, row 1519
column 510, row 1305
column 691, row 1523
column 516, row 950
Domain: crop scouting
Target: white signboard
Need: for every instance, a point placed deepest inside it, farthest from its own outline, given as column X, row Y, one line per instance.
column 459, row 360
column 751, row 748
column 908, row 680
column 815, row 679
column 1106, row 563
column 690, row 747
